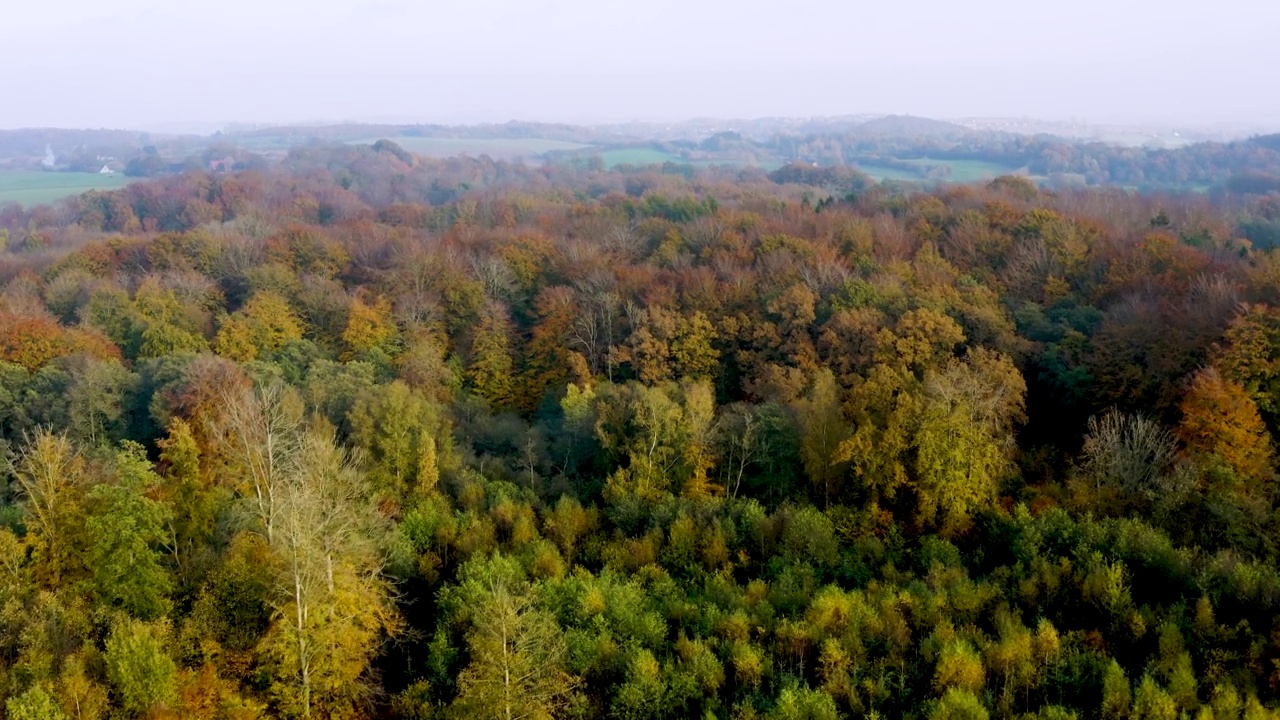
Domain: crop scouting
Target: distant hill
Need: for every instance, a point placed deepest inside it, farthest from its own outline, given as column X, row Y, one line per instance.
column 347, row 132
column 1271, row 142
column 910, row 126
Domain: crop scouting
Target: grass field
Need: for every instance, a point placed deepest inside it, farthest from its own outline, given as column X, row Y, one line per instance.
column 497, row 148
column 881, row 173
column 38, row 188
column 638, row 156
column 962, row 171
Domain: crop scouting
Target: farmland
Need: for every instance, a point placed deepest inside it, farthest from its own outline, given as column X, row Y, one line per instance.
column 959, row 171
column 637, row 156
column 37, row 188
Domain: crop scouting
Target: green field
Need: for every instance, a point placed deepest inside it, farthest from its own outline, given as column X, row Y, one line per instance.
column 638, row 156
column 880, row 173
column 497, row 148
column 962, row 171
column 38, row 188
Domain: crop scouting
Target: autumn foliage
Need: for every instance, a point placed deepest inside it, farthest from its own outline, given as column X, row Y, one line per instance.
column 368, row 435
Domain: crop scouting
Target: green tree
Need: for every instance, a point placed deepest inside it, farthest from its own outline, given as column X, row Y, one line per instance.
column 141, row 672
column 128, row 529
column 664, row 435
column 195, row 501
column 823, row 429
column 800, row 703
column 964, row 442
column 97, row 397
column 1250, row 355
column 406, row 436
column 168, row 325
column 516, row 649
column 34, row 704
column 958, row 704
column 1151, row 702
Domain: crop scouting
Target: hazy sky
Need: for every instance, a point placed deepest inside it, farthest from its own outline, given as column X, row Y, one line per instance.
column 151, row 63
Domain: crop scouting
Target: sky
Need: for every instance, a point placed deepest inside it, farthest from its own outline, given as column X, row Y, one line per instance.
column 157, row 64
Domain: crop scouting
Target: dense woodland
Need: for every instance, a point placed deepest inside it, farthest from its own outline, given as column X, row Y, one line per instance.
column 367, row 435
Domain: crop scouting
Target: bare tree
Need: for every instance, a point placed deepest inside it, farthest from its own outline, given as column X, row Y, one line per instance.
column 740, row 436
column 593, row 329
column 1127, row 452
column 262, row 427
column 332, row 602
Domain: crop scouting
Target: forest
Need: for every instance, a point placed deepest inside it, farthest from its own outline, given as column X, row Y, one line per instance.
column 363, row 434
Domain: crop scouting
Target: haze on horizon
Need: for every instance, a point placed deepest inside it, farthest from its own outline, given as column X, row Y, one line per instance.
column 152, row 64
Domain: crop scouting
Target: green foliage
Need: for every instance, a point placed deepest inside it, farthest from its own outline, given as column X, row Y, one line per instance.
column 804, row 704
column 34, row 704
column 571, row 442
column 128, row 528
column 516, row 649
column 141, row 672
column 406, row 437
column 958, row 704
column 964, row 439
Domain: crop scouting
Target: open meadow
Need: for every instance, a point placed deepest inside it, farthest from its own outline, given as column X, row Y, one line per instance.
column 961, row 171
column 37, row 188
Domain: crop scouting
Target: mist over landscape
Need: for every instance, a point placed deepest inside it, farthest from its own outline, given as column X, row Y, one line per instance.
column 150, row 65
column 557, row 360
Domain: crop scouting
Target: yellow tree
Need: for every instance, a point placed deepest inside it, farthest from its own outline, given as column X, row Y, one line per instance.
column 491, row 367
column 698, row 431
column 964, row 440
column 53, row 479
column 1220, row 419
column 264, row 325
column 331, row 605
column 885, row 406
column 368, row 327
column 667, row 345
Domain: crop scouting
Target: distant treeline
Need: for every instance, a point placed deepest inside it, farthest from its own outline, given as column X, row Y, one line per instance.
column 1245, row 166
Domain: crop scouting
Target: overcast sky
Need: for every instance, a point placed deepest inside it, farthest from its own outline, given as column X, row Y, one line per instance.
column 154, row 63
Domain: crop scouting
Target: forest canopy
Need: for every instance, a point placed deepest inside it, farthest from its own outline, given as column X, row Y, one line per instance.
column 368, row 435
